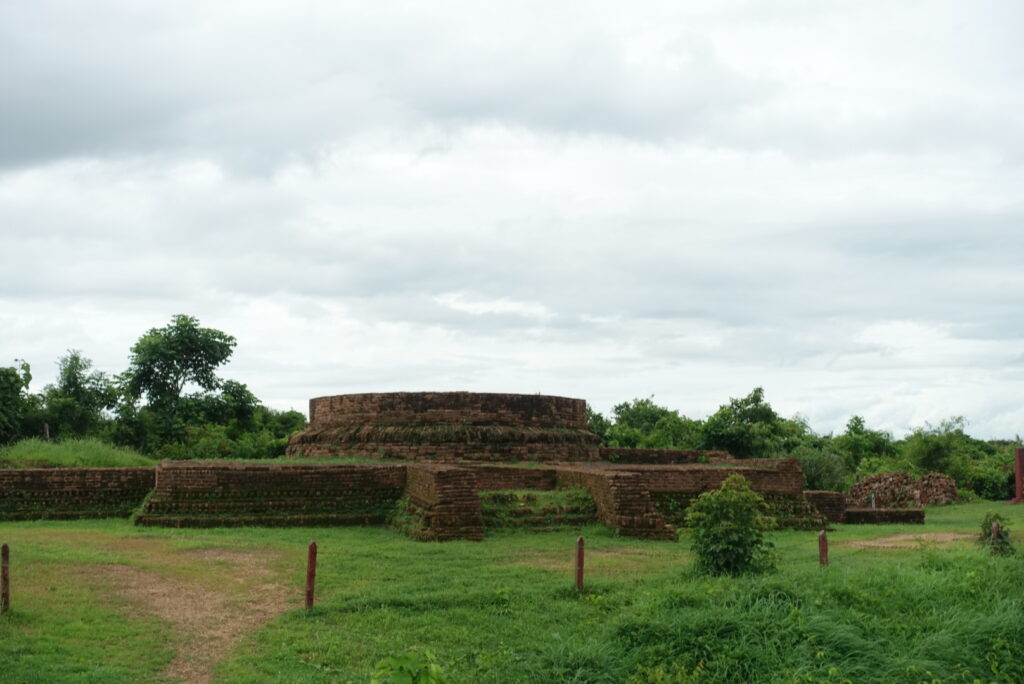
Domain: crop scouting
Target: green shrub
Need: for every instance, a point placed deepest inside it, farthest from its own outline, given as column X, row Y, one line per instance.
column 728, row 530
column 1000, row 544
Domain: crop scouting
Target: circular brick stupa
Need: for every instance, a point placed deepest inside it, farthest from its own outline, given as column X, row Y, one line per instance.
column 447, row 426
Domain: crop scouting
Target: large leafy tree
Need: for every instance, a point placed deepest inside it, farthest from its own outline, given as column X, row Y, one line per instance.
column 747, row 428
column 643, row 423
column 858, row 443
column 166, row 360
column 75, row 405
column 16, row 404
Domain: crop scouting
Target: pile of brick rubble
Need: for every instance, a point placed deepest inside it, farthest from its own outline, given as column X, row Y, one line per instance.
column 900, row 490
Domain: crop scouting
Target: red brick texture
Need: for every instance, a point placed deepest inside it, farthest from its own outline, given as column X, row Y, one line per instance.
column 878, row 516
column 216, row 494
column 657, row 456
column 41, row 493
column 448, row 427
column 623, row 502
column 448, row 499
column 832, row 505
column 448, row 408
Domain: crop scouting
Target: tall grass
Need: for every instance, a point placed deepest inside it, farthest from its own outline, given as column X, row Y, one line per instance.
column 82, row 453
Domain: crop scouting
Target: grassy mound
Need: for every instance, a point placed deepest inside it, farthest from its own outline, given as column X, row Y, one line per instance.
column 77, row 453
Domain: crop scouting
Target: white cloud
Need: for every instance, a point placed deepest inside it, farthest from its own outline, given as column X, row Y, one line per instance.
column 604, row 201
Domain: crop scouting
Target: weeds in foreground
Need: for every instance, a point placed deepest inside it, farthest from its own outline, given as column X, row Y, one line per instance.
column 996, row 540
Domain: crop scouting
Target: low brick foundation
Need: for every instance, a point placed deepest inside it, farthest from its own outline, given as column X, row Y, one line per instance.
column 214, row 494
column 448, row 502
column 70, row 493
column 878, row 516
column 447, row 427
column 656, row 456
column 832, row 505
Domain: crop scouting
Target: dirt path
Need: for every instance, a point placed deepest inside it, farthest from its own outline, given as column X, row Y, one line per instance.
column 909, row 541
column 208, row 622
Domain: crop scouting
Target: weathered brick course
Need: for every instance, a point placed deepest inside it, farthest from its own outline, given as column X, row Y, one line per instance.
column 832, row 505
column 40, row 493
column 448, row 499
column 211, row 493
column 448, row 427
column 878, row 516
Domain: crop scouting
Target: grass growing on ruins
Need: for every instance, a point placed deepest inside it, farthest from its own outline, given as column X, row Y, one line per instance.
column 902, row 603
column 72, row 453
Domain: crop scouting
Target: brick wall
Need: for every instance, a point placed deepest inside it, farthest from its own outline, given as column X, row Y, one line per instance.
column 39, row 493
column 878, row 516
column 447, row 427
column 658, row 456
column 216, row 494
column 448, row 408
column 313, row 446
column 778, row 476
column 623, row 503
column 448, row 501
column 832, row 505
column 490, row 477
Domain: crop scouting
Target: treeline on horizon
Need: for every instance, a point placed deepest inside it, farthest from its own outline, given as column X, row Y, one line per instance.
column 170, row 403
column 750, row 428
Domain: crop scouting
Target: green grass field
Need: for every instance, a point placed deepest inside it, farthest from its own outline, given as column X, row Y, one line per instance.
column 102, row 601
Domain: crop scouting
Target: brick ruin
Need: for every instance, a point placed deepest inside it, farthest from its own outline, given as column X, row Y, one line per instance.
column 438, row 455
column 448, row 427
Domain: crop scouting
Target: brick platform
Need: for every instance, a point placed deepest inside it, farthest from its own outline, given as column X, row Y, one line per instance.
column 69, row 493
column 215, row 494
column 448, row 427
column 878, row 516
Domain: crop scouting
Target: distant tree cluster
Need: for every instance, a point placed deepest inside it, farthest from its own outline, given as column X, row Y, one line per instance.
column 169, row 402
column 749, row 428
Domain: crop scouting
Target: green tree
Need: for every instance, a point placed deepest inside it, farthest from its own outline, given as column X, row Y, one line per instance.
column 163, row 364
column 17, row 405
column 643, row 424
column 165, row 360
column 673, row 431
column 858, row 443
column 597, row 423
column 729, row 529
column 640, row 414
column 746, row 428
column 75, row 405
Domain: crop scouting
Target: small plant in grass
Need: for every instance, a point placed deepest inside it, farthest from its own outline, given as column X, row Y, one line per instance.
column 1000, row 544
column 728, row 530
column 412, row 667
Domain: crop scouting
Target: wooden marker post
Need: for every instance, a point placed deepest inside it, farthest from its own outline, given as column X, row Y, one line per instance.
column 823, row 548
column 5, row 578
column 579, row 564
column 995, row 531
column 310, row 575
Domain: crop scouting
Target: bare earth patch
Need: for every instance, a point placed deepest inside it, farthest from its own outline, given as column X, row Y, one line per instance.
column 909, row 541
column 209, row 623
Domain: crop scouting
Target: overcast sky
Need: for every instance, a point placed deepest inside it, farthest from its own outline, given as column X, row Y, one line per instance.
column 602, row 200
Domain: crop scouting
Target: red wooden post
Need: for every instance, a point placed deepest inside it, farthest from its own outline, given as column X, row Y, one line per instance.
column 579, row 564
column 823, row 548
column 5, row 578
column 1019, row 490
column 310, row 575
